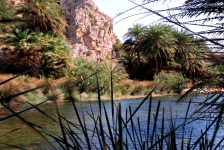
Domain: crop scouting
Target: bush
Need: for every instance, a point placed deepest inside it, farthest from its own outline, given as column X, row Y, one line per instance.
column 55, row 59
column 85, row 73
column 169, row 82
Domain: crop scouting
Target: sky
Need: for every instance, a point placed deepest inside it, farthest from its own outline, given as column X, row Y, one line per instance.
column 121, row 24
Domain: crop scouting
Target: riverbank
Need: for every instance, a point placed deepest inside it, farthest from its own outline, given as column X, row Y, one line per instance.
column 127, row 89
column 94, row 97
column 143, row 96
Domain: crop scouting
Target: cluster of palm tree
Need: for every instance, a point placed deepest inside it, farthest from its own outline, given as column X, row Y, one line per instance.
column 37, row 41
column 162, row 47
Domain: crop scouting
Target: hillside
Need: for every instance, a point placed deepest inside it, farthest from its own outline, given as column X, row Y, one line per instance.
column 89, row 30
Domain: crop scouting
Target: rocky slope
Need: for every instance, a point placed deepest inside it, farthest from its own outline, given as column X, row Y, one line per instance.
column 89, row 30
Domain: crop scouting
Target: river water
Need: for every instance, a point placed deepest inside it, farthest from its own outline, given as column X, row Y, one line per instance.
column 15, row 132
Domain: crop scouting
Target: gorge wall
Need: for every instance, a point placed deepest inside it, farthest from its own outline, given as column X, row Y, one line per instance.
column 89, row 30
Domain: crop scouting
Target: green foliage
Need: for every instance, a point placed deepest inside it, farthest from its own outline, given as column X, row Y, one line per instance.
column 85, row 73
column 34, row 97
column 133, row 38
column 7, row 17
column 44, row 15
column 169, row 82
column 91, row 16
column 218, row 69
column 22, row 40
column 117, row 49
column 162, row 47
column 31, row 49
column 44, row 48
column 22, row 52
column 55, row 59
column 92, row 19
column 6, row 10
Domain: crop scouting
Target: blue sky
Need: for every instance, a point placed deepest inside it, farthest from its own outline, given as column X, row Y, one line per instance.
column 114, row 7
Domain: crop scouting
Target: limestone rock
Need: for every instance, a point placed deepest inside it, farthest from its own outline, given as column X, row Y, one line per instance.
column 89, row 30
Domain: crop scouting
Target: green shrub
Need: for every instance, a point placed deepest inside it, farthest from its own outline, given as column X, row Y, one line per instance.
column 85, row 73
column 218, row 69
column 91, row 15
column 169, row 82
column 33, row 97
column 55, row 59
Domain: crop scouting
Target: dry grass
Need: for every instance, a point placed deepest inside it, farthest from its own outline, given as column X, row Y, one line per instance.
column 134, row 87
column 23, row 83
column 12, row 87
column 60, row 88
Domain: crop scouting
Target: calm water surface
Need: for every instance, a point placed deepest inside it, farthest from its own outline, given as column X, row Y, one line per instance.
column 15, row 132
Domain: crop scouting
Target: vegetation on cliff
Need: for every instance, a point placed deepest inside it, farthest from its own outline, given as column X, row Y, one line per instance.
column 38, row 42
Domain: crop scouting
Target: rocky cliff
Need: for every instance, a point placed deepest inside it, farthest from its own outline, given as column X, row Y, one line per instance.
column 89, row 30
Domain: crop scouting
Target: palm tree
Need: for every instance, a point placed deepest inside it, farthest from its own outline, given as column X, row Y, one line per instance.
column 22, row 40
column 189, row 52
column 30, row 49
column 157, row 43
column 24, row 49
column 202, row 7
column 43, row 15
column 132, row 40
column 128, row 60
column 55, row 58
column 184, row 48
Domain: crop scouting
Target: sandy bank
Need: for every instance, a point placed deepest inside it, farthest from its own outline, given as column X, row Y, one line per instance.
column 123, row 97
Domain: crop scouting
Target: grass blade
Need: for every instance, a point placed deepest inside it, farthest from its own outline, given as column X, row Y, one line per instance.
column 31, row 127
column 80, row 122
column 150, row 93
column 120, row 128
column 109, row 127
column 148, row 122
column 155, row 122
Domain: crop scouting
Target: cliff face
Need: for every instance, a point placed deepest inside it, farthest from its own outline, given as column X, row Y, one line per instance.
column 89, row 30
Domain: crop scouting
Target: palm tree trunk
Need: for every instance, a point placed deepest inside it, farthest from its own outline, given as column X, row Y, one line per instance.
column 191, row 81
column 157, row 63
column 138, row 58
